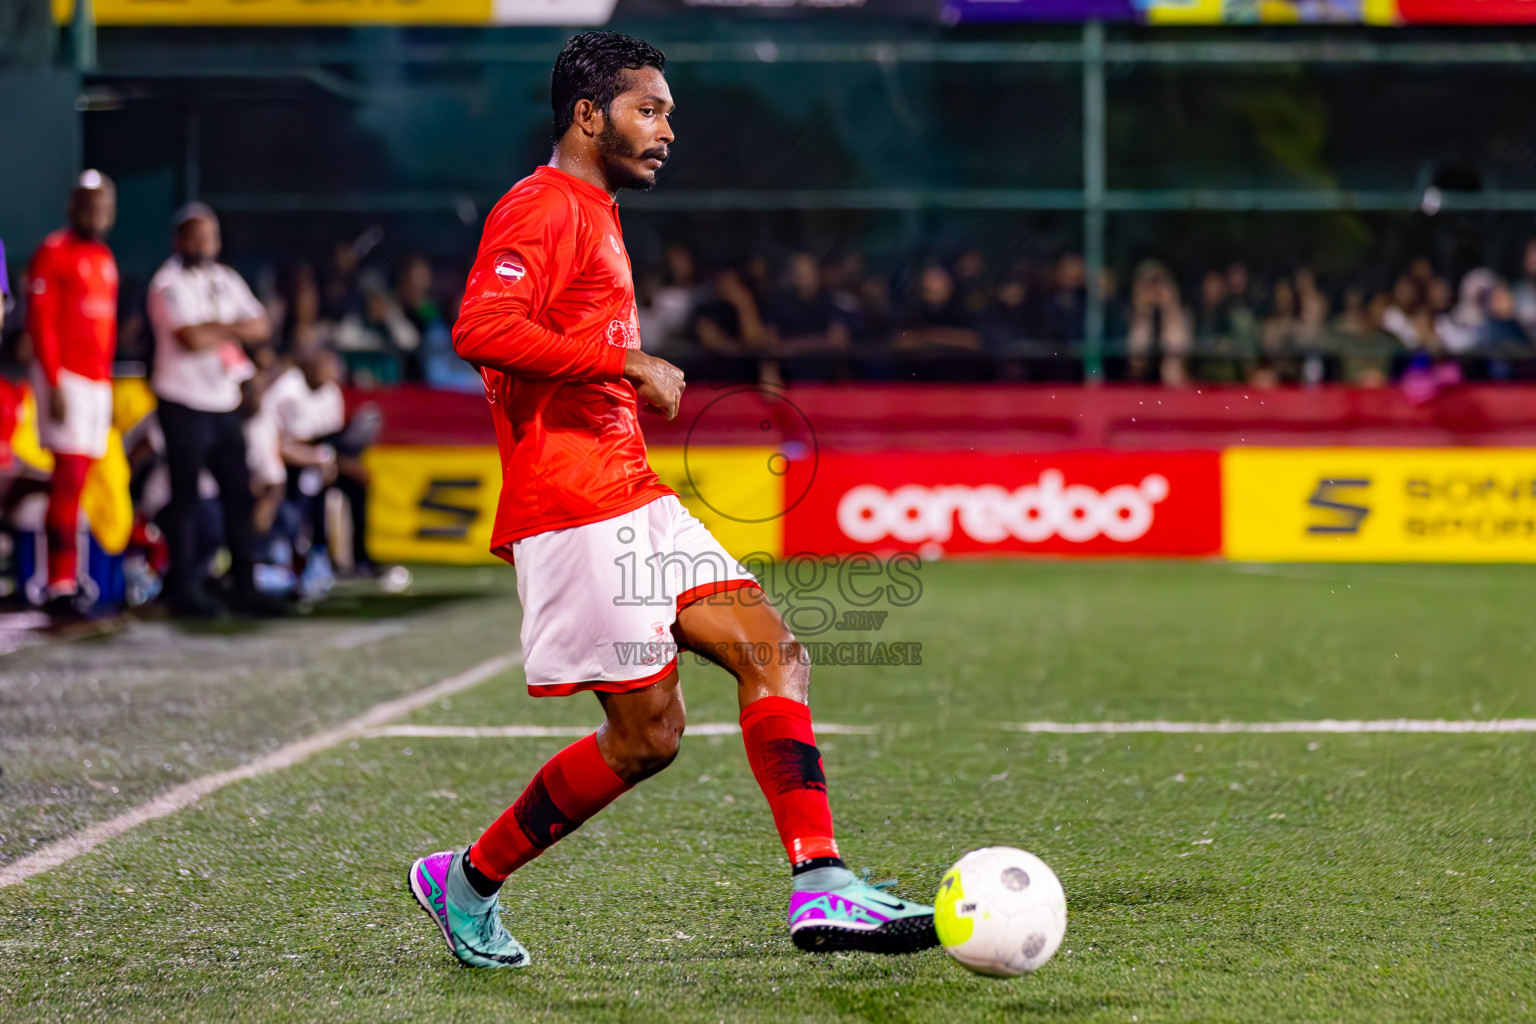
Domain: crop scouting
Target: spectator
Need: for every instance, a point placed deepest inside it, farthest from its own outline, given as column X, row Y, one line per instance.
column 1063, row 311
column 935, row 320
column 5, row 287
column 204, row 315
column 1007, row 318
column 1221, row 357
column 1405, row 315
column 668, row 308
column 970, row 276
column 1312, row 309
column 1459, row 330
column 802, row 316
column 1502, row 336
column 341, row 296
column 875, row 320
column 842, row 277
column 1525, row 290
column 413, row 298
column 1161, row 334
column 1365, row 348
column 321, row 452
column 728, row 323
column 301, row 324
column 1279, row 337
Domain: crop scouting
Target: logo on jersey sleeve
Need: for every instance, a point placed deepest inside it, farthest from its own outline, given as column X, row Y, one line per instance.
column 510, row 268
column 624, row 334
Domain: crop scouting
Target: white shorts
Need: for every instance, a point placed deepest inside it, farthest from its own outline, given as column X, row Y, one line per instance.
column 87, row 415
column 599, row 600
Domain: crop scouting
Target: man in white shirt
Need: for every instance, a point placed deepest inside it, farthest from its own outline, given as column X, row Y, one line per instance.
column 204, row 315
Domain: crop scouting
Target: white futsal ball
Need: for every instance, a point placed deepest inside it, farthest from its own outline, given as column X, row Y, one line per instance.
column 1001, row 911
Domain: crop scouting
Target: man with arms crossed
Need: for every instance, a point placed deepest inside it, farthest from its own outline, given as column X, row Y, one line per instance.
column 204, row 315
column 549, row 318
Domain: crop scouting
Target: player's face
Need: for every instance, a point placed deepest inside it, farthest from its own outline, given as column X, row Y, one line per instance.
column 93, row 211
column 637, row 131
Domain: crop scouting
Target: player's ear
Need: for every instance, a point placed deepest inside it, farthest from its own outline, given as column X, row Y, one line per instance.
column 586, row 116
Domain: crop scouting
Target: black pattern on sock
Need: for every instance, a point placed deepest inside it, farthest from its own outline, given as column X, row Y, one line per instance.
column 793, row 765
column 541, row 820
column 479, row 880
column 817, row 862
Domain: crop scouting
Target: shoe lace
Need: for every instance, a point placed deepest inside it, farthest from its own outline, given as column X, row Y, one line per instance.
column 866, row 879
column 489, row 925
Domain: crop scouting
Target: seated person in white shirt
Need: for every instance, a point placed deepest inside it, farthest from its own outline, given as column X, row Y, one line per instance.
column 300, row 440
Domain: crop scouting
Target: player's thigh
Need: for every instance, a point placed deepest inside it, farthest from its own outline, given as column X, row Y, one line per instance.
column 741, row 631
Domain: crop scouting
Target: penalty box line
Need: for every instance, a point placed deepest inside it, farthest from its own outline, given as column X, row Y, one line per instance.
column 180, row 797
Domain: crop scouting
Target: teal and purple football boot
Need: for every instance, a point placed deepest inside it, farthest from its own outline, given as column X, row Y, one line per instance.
column 856, row 915
column 474, row 932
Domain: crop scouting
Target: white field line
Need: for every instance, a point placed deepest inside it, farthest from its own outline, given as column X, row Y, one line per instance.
column 1326, row 725
column 472, row 732
column 188, row 793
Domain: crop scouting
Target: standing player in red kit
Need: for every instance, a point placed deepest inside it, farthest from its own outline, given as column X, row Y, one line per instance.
column 72, row 318
column 549, row 318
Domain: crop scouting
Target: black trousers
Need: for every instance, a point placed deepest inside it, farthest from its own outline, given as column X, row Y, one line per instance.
column 194, row 441
column 314, row 509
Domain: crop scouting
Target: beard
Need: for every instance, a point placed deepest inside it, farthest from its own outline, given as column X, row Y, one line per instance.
column 614, row 150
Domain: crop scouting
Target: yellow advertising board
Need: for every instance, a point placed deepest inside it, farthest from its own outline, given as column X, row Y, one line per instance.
column 1267, row 12
column 438, row 504
column 1379, row 504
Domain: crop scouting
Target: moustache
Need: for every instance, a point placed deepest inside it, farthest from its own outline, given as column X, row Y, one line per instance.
column 654, row 154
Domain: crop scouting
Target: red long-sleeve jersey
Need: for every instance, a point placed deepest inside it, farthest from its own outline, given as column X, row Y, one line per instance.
column 72, row 311
column 548, row 314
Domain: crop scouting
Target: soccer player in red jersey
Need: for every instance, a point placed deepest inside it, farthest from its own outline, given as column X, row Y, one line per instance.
column 549, row 318
column 73, row 323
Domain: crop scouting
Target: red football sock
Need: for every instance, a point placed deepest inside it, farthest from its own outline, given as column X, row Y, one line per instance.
column 782, row 751
column 571, row 787
column 63, row 519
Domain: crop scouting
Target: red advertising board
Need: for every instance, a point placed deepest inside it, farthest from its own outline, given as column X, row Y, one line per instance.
column 1057, row 503
column 1467, row 12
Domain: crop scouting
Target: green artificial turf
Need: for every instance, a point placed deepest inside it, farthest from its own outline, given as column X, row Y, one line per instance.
column 1208, row 878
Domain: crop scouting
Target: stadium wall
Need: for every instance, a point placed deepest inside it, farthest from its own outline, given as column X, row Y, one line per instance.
column 1325, row 475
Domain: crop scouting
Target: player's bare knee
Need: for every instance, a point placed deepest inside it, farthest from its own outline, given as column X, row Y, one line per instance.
column 795, row 672
column 654, row 745
column 786, row 674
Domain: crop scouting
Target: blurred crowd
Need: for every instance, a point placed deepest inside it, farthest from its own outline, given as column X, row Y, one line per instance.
column 807, row 317
column 962, row 320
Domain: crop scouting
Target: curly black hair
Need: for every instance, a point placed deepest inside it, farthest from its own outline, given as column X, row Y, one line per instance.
column 591, row 67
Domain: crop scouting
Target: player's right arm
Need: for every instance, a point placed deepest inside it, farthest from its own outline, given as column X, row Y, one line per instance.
column 529, row 254
column 43, row 308
column 44, row 305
